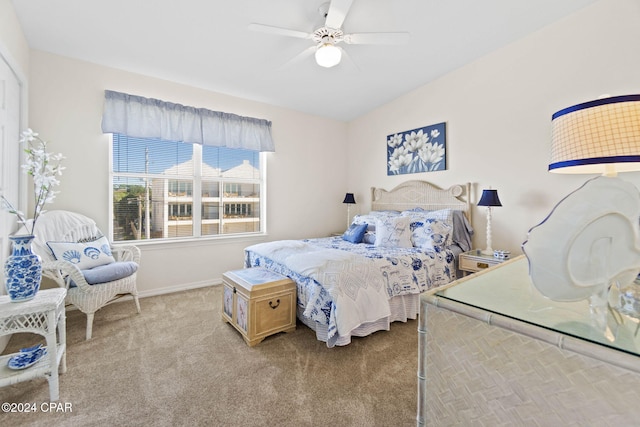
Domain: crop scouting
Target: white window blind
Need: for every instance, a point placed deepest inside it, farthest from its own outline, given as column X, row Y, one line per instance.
column 183, row 172
column 169, row 189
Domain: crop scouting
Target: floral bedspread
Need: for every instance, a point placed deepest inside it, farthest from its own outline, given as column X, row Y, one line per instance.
column 344, row 285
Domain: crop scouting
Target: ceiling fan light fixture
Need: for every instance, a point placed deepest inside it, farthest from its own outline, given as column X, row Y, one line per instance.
column 328, row 55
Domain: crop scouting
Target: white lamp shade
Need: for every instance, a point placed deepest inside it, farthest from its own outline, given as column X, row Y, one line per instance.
column 601, row 136
column 328, row 55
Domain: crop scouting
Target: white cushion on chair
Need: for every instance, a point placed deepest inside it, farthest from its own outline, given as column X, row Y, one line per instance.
column 83, row 255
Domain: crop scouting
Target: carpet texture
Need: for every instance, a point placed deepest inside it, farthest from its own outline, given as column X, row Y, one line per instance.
column 177, row 363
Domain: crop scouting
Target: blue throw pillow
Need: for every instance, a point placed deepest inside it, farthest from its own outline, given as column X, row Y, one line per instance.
column 110, row 272
column 355, row 233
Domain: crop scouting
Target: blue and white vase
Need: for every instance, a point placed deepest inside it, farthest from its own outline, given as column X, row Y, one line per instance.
column 22, row 270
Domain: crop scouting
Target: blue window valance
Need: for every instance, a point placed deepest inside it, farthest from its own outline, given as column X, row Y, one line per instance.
column 141, row 117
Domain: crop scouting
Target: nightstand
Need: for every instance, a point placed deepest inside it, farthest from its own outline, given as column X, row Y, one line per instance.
column 474, row 261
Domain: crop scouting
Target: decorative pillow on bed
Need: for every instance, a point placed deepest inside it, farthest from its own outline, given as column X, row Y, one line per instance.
column 355, row 233
column 372, row 216
column 445, row 215
column 84, row 255
column 394, row 232
column 430, row 235
column 422, row 231
column 422, row 216
column 369, row 237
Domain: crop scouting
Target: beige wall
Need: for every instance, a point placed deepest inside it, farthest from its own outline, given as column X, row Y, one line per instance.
column 306, row 180
column 498, row 115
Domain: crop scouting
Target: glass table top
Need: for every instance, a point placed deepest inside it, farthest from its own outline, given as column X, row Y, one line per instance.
column 507, row 290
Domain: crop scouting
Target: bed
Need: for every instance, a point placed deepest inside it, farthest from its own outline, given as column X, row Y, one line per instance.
column 373, row 275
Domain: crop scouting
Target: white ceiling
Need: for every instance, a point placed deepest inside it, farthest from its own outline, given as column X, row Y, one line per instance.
column 206, row 43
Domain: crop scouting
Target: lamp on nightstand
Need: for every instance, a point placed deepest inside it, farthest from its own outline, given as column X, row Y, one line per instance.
column 489, row 198
column 349, row 200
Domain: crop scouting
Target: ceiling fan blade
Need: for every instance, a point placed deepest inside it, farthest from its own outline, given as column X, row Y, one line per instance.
column 338, row 10
column 348, row 60
column 299, row 57
column 377, row 38
column 280, row 31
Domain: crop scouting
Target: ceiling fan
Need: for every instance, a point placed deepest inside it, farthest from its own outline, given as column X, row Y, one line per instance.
column 327, row 37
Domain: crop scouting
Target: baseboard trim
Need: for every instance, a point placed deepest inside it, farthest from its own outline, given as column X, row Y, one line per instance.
column 163, row 291
column 176, row 288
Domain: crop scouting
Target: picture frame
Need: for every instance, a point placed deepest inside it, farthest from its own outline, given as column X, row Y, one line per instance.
column 417, row 150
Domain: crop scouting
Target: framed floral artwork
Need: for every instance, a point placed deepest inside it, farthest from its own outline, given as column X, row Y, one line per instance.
column 417, row 150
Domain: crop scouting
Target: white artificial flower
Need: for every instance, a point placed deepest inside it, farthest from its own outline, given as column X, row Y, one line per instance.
column 28, row 136
column 44, row 167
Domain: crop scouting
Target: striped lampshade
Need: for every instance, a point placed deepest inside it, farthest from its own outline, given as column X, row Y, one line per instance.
column 601, row 136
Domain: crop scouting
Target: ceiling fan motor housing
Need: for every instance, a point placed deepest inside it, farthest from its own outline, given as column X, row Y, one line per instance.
column 328, row 35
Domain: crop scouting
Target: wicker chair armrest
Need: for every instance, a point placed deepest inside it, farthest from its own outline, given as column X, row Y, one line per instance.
column 63, row 272
column 126, row 253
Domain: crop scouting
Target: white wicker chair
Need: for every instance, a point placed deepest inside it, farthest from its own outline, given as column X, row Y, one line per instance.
column 64, row 226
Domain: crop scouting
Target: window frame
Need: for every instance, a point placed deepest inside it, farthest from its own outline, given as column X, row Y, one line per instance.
column 197, row 179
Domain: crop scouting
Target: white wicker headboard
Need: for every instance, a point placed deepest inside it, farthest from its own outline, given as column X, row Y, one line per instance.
column 421, row 194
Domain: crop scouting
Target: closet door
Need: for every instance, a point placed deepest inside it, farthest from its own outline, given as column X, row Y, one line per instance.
column 9, row 156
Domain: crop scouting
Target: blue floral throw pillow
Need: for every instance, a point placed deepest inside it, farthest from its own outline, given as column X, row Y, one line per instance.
column 418, row 217
column 430, row 234
column 83, row 255
column 355, row 233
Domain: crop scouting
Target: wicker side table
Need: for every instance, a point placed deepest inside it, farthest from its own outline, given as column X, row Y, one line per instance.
column 43, row 315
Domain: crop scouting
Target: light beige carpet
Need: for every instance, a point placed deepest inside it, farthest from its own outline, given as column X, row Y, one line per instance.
column 177, row 363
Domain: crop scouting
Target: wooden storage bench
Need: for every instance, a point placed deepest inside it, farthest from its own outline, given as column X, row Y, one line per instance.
column 258, row 303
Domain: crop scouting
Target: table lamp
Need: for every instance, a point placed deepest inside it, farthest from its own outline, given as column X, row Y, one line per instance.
column 349, row 199
column 489, row 198
column 591, row 238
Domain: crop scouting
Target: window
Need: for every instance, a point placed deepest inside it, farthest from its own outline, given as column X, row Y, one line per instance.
column 167, row 189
